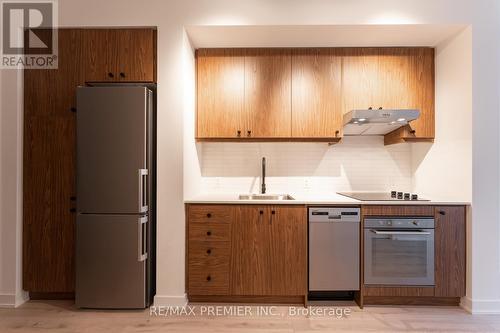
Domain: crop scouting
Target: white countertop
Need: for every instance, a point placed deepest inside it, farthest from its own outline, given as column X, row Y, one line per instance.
column 311, row 199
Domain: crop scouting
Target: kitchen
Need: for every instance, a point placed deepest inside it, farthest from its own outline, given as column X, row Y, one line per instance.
column 201, row 171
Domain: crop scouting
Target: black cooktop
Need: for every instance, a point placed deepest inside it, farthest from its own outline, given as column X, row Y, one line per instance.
column 382, row 196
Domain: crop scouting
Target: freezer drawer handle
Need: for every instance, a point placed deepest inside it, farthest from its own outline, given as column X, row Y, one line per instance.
column 143, row 205
column 142, row 239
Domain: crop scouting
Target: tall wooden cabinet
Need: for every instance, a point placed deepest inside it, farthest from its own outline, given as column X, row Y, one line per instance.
column 49, row 186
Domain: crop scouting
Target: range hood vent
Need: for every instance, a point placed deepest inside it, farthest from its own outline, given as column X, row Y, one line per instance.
column 377, row 122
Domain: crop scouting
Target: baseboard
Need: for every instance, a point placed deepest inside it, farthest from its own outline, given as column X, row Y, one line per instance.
column 161, row 300
column 480, row 306
column 7, row 300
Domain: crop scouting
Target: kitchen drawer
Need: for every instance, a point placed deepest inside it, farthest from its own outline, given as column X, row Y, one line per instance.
column 209, row 232
column 210, row 213
column 397, row 210
column 205, row 254
column 212, row 280
column 397, row 291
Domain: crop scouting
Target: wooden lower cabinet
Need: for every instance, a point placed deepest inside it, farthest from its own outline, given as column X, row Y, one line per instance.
column 260, row 252
column 449, row 258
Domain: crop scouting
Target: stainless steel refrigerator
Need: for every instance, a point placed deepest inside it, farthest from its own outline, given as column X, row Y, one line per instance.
column 115, row 197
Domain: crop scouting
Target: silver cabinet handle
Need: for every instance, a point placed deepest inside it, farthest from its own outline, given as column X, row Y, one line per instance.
column 142, row 253
column 377, row 232
column 143, row 205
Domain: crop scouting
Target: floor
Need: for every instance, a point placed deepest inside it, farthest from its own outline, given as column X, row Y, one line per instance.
column 62, row 316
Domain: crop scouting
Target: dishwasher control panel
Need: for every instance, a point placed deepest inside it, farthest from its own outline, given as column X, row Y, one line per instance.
column 334, row 214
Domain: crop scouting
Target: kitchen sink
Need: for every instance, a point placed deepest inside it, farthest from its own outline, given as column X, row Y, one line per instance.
column 265, row 197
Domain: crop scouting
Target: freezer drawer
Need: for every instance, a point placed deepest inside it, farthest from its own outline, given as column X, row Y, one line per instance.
column 113, row 147
column 111, row 261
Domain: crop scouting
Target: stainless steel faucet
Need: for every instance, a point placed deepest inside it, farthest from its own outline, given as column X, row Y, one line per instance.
column 263, row 177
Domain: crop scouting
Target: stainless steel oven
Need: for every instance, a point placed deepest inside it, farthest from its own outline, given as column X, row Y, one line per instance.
column 399, row 251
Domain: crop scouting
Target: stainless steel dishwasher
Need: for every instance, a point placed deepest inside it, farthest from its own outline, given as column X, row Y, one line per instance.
column 334, row 234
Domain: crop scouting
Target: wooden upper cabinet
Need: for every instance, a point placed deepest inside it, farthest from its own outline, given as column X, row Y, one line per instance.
column 136, row 55
column 316, row 93
column 302, row 94
column 221, row 90
column 126, row 55
column 391, row 78
column 267, row 93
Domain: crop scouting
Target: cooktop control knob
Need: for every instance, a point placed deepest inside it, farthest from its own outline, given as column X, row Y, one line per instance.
column 407, row 196
column 393, row 194
column 400, row 195
column 414, row 197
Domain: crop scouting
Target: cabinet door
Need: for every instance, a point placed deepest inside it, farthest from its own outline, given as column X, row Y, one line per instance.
column 360, row 79
column 288, row 250
column 119, row 55
column 220, row 86
column 135, row 53
column 407, row 81
column 268, row 93
column 450, row 251
column 49, row 170
column 250, row 257
column 316, row 93
column 100, row 61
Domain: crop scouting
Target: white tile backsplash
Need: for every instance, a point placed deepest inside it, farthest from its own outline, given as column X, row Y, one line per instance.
column 357, row 164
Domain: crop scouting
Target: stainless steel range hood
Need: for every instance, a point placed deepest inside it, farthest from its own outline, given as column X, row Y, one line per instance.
column 377, row 122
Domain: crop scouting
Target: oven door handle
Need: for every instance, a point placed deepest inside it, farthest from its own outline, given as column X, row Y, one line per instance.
column 378, row 232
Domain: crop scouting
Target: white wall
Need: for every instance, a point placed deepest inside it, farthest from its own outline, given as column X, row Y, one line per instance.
column 171, row 16
column 11, row 122
column 357, row 163
column 444, row 169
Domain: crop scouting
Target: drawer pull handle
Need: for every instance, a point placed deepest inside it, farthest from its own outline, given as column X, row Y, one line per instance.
column 209, row 278
column 209, row 233
column 111, row 75
column 261, row 212
column 209, row 215
column 209, row 251
column 442, row 212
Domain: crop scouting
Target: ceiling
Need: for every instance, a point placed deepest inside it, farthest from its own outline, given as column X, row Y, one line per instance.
column 320, row 35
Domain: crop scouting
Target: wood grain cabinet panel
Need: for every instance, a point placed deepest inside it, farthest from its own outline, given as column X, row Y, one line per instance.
column 49, row 184
column 288, row 250
column 114, row 55
column 450, row 251
column 250, row 259
column 397, row 210
column 360, row 79
column 269, row 249
column 316, row 93
column 268, row 93
column 210, row 213
column 49, row 187
column 221, row 90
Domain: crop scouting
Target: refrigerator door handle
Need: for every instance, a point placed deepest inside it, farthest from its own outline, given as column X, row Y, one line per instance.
column 143, row 205
column 142, row 253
